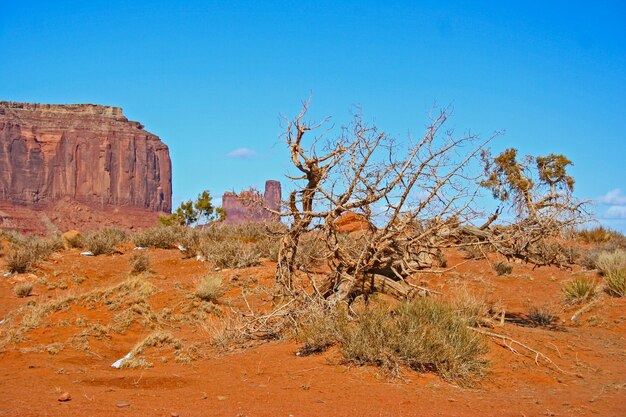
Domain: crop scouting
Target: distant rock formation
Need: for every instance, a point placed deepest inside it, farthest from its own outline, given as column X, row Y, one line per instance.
column 251, row 206
column 86, row 153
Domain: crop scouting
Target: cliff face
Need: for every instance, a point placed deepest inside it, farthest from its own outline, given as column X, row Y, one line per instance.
column 88, row 153
column 251, row 206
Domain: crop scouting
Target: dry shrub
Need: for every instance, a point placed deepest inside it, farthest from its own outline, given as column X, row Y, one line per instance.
column 502, row 268
column 210, row 288
column 136, row 363
column 156, row 340
column 579, row 290
column 230, row 253
column 23, row 290
column 595, row 235
column 312, row 251
column 139, row 262
column 541, row 316
column 25, row 252
column 471, row 306
column 163, row 237
column 104, row 241
column 225, row 332
column 423, row 334
column 318, row 328
column 613, row 267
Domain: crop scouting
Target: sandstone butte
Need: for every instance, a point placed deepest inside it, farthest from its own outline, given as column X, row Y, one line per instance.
column 251, row 206
column 79, row 166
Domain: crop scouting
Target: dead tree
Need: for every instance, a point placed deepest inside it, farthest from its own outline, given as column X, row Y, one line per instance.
column 413, row 191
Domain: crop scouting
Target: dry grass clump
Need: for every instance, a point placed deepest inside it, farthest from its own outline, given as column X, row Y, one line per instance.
column 601, row 234
column 210, row 288
column 613, row 267
column 318, row 328
column 255, row 240
column 163, row 237
column 157, row 339
column 104, row 241
column 139, row 262
column 502, row 268
column 23, row 290
column 541, row 317
column 230, row 253
column 25, row 252
column 423, row 334
column 580, row 290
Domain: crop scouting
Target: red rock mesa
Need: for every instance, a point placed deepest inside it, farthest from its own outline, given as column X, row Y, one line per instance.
column 251, row 206
column 81, row 158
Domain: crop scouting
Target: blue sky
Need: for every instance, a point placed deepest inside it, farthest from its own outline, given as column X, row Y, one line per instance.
column 212, row 78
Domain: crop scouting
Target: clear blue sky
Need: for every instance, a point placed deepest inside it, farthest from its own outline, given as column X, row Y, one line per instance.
column 211, row 78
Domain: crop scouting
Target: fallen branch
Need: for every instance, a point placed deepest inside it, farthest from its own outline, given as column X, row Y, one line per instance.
column 511, row 341
column 583, row 309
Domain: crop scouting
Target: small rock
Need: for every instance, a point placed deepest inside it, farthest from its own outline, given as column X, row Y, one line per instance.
column 174, row 415
column 122, row 404
column 87, row 253
column 221, row 398
column 65, row 397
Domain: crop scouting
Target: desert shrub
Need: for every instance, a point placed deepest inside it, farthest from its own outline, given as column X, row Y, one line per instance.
column 104, row 241
column 423, row 334
column 471, row 306
column 23, row 290
column 541, row 316
column 616, row 283
column 502, row 268
column 318, row 328
column 25, row 252
column 210, row 288
column 229, row 253
column 613, row 267
column 164, row 237
column 312, row 251
column 578, row 291
column 139, row 262
column 595, row 235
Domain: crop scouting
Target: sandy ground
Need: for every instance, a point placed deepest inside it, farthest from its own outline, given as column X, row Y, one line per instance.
column 269, row 379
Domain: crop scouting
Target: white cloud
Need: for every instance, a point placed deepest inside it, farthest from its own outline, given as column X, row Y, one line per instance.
column 615, row 212
column 613, row 198
column 242, row 153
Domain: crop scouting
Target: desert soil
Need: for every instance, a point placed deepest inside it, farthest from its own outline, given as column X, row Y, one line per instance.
column 64, row 353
